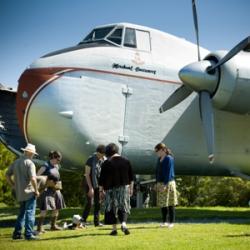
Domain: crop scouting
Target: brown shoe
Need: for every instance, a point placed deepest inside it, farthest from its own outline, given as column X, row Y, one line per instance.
column 40, row 229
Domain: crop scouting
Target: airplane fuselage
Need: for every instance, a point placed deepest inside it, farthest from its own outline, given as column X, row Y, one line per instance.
column 74, row 99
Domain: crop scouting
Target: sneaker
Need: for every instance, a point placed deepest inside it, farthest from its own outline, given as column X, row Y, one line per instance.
column 82, row 226
column 113, row 232
column 125, row 230
column 165, row 224
column 39, row 232
column 32, row 237
column 171, row 225
column 17, row 237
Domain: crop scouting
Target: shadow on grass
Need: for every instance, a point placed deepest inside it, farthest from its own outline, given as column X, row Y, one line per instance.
column 194, row 214
column 130, row 228
column 151, row 215
column 68, row 237
column 238, row 235
column 59, row 237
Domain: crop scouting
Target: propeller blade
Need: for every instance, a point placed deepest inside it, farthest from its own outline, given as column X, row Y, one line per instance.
column 243, row 45
column 179, row 95
column 195, row 17
column 207, row 118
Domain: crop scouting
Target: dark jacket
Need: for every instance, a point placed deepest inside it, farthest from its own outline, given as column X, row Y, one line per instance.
column 116, row 172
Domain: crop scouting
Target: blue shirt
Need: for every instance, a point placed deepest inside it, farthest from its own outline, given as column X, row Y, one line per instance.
column 165, row 169
column 51, row 171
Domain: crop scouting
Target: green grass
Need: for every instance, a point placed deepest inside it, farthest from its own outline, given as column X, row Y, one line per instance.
column 196, row 228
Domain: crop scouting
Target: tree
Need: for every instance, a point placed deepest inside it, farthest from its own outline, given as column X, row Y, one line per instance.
column 6, row 158
column 193, row 190
column 213, row 191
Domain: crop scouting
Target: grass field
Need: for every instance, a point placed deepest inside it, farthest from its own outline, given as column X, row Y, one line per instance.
column 195, row 228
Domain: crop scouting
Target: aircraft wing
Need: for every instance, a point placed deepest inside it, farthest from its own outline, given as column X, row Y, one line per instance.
column 10, row 133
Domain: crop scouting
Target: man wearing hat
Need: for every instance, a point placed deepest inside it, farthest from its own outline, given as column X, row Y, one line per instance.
column 25, row 186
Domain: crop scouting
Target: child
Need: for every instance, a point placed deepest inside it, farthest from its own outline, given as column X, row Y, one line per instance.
column 76, row 223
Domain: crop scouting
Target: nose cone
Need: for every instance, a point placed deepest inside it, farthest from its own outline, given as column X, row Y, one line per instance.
column 29, row 83
column 196, row 77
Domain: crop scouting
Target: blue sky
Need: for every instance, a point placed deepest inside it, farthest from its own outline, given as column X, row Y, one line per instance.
column 32, row 28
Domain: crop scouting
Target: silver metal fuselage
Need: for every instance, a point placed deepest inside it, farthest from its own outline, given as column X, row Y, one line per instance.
column 114, row 94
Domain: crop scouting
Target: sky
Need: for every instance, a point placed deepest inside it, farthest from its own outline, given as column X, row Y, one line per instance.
column 32, row 28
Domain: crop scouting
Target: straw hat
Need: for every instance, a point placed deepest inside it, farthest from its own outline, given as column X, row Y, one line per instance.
column 30, row 148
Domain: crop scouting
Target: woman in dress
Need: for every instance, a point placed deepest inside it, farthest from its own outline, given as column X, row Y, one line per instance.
column 165, row 185
column 116, row 183
column 51, row 199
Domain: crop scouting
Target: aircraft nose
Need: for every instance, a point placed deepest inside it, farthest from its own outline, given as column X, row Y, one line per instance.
column 30, row 82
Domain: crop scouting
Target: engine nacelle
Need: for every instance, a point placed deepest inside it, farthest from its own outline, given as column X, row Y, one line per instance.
column 233, row 90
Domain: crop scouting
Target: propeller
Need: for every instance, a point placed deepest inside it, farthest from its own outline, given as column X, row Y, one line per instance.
column 183, row 92
column 207, row 118
column 178, row 96
column 195, row 17
column 205, row 102
column 194, row 81
column 202, row 77
column 243, row 45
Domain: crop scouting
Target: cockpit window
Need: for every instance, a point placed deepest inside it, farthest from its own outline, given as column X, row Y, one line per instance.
column 97, row 34
column 116, row 36
column 130, row 39
column 143, row 40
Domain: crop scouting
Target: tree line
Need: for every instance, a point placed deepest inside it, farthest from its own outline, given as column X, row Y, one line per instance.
column 193, row 190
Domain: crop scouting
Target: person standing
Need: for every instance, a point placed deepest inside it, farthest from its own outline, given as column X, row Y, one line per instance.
column 51, row 199
column 116, row 185
column 25, row 186
column 92, row 174
column 165, row 185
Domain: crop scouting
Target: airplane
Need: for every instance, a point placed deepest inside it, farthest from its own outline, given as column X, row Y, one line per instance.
column 111, row 86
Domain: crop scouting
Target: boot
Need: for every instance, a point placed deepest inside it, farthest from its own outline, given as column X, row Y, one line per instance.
column 40, row 229
column 54, row 227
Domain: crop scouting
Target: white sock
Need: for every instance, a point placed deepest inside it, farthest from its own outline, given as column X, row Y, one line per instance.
column 124, row 224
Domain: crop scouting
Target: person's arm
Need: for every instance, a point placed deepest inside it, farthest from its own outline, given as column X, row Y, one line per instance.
column 34, row 184
column 31, row 168
column 131, row 179
column 166, row 170
column 131, row 188
column 9, row 175
column 89, row 183
column 101, row 180
column 41, row 170
column 101, row 193
column 10, row 181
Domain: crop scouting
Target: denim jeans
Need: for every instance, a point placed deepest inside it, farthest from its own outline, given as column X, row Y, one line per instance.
column 26, row 218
